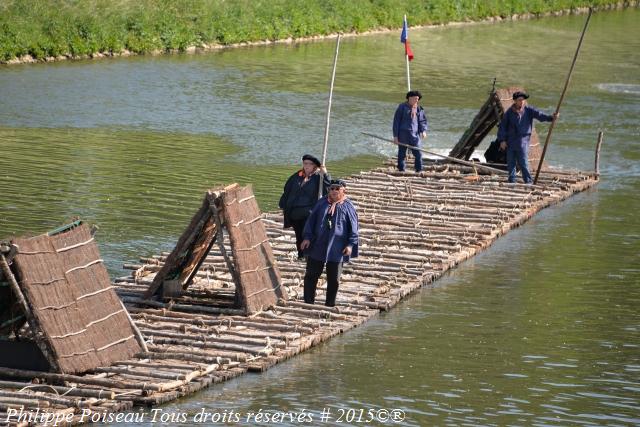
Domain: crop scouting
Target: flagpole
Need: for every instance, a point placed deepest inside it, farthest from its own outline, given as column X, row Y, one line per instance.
column 406, row 58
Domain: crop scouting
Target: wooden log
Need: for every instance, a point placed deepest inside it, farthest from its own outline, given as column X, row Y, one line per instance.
column 350, row 309
column 449, row 193
column 170, row 365
column 393, row 181
column 182, row 307
column 475, row 202
column 311, row 311
column 67, row 391
column 249, row 322
column 221, row 330
column 214, row 345
column 447, row 211
column 200, row 357
column 144, row 373
column 49, row 399
column 86, row 380
column 9, row 402
column 215, row 338
column 210, row 353
column 202, row 274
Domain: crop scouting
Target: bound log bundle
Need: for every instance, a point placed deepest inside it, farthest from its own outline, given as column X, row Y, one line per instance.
column 413, row 228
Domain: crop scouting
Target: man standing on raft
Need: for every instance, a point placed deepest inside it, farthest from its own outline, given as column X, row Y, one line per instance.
column 410, row 128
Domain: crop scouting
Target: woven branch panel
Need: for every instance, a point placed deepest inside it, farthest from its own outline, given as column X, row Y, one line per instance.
column 192, row 248
column 489, row 117
column 260, row 283
column 72, row 300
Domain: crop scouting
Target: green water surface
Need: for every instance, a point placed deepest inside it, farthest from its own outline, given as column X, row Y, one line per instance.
column 541, row 329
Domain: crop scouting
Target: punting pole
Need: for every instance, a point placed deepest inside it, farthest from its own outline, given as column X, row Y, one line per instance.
column 566, row 84
column 453, row 159
column 326, row 126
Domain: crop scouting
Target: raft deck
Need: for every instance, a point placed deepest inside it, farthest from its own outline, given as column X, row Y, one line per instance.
column 413, row 228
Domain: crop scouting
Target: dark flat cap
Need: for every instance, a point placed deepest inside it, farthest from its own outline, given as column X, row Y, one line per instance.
column 414, row 93
column 312, row 159
column 339, row 182
column 519, row 94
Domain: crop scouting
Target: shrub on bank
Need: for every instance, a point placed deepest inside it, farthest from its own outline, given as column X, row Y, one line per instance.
column 45, row 28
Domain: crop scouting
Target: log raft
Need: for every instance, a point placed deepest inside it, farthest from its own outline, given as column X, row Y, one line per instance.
column 414, row 227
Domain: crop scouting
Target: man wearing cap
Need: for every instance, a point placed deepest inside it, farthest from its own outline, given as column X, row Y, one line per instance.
column 301, row 194
column 515, row 131
column 330, row 238
column 410, row 128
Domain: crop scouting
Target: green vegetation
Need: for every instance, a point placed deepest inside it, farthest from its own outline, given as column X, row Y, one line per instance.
column 45, row 28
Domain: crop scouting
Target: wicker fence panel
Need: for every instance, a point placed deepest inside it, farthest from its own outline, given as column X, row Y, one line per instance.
column 72, row 299
column 260, row 282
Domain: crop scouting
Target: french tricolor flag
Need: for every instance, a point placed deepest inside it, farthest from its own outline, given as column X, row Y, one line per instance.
column 404, row 38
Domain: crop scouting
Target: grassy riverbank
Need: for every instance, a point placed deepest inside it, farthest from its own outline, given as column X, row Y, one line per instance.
column 53, row 28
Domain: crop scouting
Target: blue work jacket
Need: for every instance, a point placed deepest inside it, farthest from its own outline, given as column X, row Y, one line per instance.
column 329, row 236
column 516, row 129
column 408, row 129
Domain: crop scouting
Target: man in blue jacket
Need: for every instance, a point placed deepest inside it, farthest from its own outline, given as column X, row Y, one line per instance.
column 410, row 127
column 514, row 134
column 330, row 238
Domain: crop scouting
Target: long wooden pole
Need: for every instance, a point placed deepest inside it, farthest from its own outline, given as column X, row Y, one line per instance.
column 453, row 159
column 564, row 91
column 597, row 160
column 326, row 126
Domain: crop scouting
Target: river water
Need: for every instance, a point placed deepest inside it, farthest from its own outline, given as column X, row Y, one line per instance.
column 543, row 328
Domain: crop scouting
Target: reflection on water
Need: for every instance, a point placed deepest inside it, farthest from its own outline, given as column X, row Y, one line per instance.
column 541, row 329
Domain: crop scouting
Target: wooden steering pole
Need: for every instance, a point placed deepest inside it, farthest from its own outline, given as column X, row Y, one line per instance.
column 564, row 91
column 326, row 126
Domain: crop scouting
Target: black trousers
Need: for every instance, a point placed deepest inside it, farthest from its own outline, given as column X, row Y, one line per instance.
column 298, row 227
column 314, row 270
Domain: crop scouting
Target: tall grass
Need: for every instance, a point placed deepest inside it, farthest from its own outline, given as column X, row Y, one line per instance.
column 45, row 28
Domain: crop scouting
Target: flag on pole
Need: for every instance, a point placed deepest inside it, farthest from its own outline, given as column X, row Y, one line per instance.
column 404, row 38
